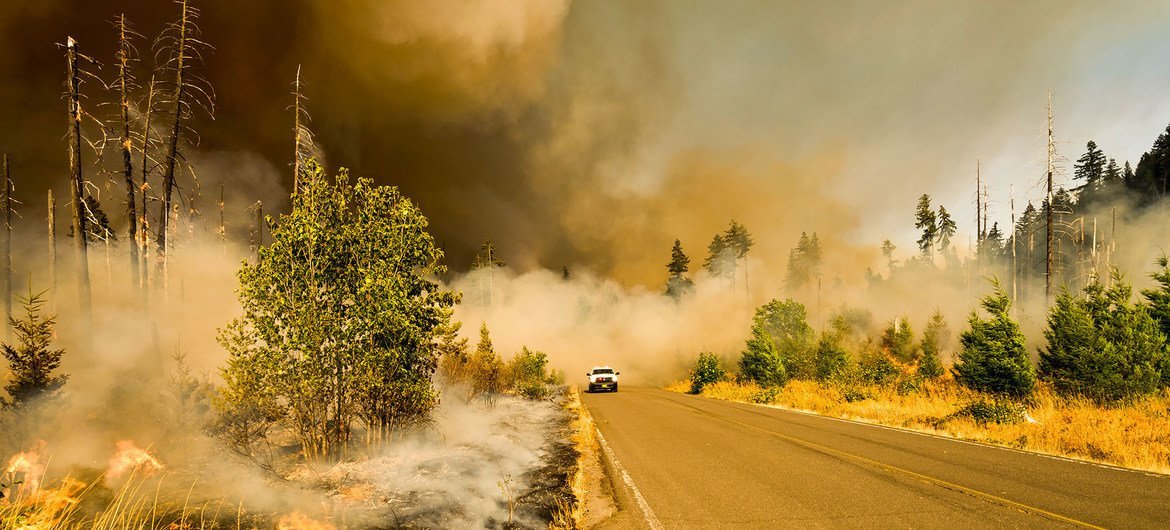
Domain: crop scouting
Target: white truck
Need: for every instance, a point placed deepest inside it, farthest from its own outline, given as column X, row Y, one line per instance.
column 603, row 378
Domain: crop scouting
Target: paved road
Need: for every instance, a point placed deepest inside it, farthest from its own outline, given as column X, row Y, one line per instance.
column 682, row 461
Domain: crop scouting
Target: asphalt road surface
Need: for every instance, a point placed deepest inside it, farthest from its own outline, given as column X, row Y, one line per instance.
column 679, row 461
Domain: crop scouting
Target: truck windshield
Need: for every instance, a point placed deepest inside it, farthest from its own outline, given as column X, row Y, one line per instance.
column 603, row 371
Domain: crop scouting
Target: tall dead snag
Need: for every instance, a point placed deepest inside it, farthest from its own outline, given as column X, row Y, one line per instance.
column 1048, row 197
column 258, row 232
column 124, row 84
column 302, row 136
column 222, row 224
column 76, row 184
column 52, row 248
column 7, row 199
column 180, row 39
column 144, row 221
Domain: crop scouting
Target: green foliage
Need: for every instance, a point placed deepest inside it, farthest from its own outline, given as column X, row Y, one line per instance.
column 1004, row 412
column 785, row 323
column 993, row 358
column 487, row 257
column 804, row 262
column 528, row 375
column 934, row 338
column 831, row 358
column 946, row 228
column 720, row 262
column 927, row 221
column 766, row 396
column 707, row 370
column 339, row 317
column 878, row 369
column 678, row 285
column 485, row 369
column 761, row 362
column 32, row 360
column 1159, row 309
column 1102, row 345
column 898, row 340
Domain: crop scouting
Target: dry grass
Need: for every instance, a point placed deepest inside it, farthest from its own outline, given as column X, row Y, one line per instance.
column 1136, row 435
column 570, row 512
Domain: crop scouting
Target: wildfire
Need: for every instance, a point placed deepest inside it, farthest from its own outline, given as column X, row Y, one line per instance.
column 131, row 458
column 300, row 521
column 26, row 468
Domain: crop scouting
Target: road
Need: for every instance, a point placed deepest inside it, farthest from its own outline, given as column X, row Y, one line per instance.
column 680, row 461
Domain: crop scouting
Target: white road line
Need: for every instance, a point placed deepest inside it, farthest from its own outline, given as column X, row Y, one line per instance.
column 647, row 512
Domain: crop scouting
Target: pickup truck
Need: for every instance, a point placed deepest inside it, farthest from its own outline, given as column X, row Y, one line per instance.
column 603, row 378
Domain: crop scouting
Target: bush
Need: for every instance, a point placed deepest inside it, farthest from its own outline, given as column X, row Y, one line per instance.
column 760, row 362
column 879, row 370
column 898, row 340
column 1102, row 346
column 934, row 338
column 707, row 370
column 766, row 396
column 1159, row 299
column 786, row 324
column 527, row 375
column 831, row 358
column 999, row 412
column 993, row 358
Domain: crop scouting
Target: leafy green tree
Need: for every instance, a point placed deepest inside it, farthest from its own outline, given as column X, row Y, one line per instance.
column 927, row 221
column 528, row 374
column 934, row 337
column 992, row 358
column 707, row 370
column 32, row 360
column 761, row 362
column 898, row 340
column 946, row 228
column 786, row 324
column 1102, row 345
column 339, row 316
column 678, row 284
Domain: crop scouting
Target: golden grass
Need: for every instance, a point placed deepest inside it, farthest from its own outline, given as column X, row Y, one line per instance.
column 570, row 512
column 1136, row 435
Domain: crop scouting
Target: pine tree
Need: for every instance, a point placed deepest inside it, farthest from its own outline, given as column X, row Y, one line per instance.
column 804, row 262
column 831, row 357
column 927, row 221
column 934, row 337
column 31, row 360
column 898, row 340
column 677, row 284
column 761, row 362
column 993, row 358
column 1159, row 308
column 946, row 228
column 1090, row 167
column 1102, row 345
column 720, row 262
column 888, row 249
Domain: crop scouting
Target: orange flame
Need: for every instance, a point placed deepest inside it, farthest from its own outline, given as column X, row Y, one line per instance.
column 130, row 458
column 26, row 468
column 300, row 521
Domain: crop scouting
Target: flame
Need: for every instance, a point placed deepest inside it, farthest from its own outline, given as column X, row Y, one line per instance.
column 49, row 507
column 26, row 468
column 300, row 521
column 130, row 458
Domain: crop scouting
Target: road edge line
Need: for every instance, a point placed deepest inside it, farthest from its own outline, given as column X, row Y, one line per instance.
column 647, row 511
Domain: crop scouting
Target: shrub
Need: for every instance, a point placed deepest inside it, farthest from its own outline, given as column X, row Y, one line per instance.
column 527, row 374
column 831, row 358
column 1102, row 346
column 786, row 323
column 766, row 396
column 898, row 340
column 879, row 370
column 761, row 362
column 993, row 358
column 998, row 411
column 933, row 339
column 707, row 370
column 1159, row 299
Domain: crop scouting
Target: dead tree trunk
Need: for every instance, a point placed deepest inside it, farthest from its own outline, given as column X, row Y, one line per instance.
column 1048, row 259
column 123, row 58
column 222, row 224
column 172, row 145
column 144, row 223
column 52, row 248
column 77, row 186
column 258, row 234
column 7, row 246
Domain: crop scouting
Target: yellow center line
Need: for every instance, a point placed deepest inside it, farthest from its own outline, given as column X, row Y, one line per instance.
column 893, row 469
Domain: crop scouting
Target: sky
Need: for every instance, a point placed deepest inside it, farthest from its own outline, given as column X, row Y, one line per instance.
column 592, row 134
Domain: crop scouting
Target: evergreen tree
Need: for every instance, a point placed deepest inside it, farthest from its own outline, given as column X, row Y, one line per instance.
column 761, row 362
column 1112, row 173
column 678, row 284
column 992, row 358
column 787, row 325
column 707, row 371
column 32, row 361
column 888, row 249
column 1090, row 167
column 720, row 262
column 946, row 228
column 1159, row 308
column 804, row 262
column 1102, row 345
column 898, row 340
column 934, row 338
column 738, row 239
column 831, row 357
column 1152, row 175
column 487, row 257
column 927, row 221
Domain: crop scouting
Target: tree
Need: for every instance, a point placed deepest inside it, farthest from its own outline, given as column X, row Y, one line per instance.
column 831, row 357
column 934, row 338
column 760, row 361
column 528, row 375
column 1159, row 308
column 720, row 262
column 888, row 249
column 707, row 370
column 1102, row 345
column 786, row 324
column 946, row 228
column 992, row 358
column 451, row 349
column 1090, row 167
column 739, row 241
column 898, row 340
column 32, row 360
column 339, row 316
column 76, row 180
column 927, row 221
column 487, row 257
column 804, row 262
column 123, row 84
column 486, row 368
column 677, row 284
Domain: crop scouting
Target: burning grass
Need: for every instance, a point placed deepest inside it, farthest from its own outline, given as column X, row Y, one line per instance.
column 570, row 508
column 1135, row 435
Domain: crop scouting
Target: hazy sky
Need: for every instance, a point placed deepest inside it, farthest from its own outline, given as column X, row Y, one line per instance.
column 591, row 134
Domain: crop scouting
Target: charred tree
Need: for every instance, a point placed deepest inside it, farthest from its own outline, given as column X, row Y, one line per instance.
column 302, row 136
column 52, row 247
column 144, row 222
column 1048, row 260
column 76, row 184
column 124, row 84
column 7, row 245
